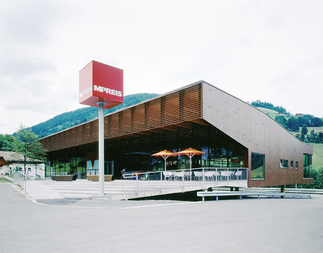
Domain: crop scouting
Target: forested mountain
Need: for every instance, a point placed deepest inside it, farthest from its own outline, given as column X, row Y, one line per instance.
column 73, row 118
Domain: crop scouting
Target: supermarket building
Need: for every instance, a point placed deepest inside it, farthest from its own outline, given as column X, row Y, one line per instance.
column 231, row 133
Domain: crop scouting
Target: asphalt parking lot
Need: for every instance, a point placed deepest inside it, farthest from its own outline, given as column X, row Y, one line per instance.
column 76, row 225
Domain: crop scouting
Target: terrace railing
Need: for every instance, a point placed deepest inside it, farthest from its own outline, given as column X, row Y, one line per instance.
column 197, row 177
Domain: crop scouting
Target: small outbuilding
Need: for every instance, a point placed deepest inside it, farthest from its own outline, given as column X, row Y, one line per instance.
column 11, row 161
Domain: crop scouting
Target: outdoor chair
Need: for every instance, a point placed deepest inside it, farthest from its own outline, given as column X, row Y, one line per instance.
column 168, row 175
column 216, row 174
column 209, row 175
column 226, row 174
column 238, row 174
column 198, row 175
column 179, row 175
column 187, row 175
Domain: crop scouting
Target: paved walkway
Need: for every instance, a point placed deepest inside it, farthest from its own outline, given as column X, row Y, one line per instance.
column 114, row 190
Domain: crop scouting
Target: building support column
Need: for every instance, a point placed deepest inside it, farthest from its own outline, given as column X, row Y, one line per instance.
column 282, row 190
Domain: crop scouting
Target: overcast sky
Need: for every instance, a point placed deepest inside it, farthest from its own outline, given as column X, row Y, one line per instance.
column 267, row 50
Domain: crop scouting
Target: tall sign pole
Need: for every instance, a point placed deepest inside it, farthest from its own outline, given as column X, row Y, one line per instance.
column 101, row 86
column 101, row 148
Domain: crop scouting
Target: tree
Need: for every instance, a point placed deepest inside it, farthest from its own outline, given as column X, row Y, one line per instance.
column 317, row 122
column 312, row 136
column 6, row 142
column 320, row 137
column 304, row 131
column 302, row 120
column 292, row 123
column 281, row 120
column 27, row 144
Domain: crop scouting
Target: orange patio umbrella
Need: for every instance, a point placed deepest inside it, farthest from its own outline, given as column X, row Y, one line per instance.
column 190, row 152
column 164, row 154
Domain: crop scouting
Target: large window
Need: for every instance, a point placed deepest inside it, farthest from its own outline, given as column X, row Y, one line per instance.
column 307, row 166
column 257, row 166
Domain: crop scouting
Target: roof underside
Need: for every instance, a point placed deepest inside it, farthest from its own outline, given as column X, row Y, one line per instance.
column 166, row 111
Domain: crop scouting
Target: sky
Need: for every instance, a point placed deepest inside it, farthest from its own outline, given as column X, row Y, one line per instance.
column 268, row 50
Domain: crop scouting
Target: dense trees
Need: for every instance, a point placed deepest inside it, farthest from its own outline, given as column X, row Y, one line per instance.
column 317, row 122
column 293, row 124
column 317, row 176
column 281, row 120
column 310, row 121
column 267, row 105
column 6, row 142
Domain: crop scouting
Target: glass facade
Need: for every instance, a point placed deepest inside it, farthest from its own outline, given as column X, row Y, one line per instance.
column 257, row 166
column 68, row 161
column 133, row 152
column 307, row 166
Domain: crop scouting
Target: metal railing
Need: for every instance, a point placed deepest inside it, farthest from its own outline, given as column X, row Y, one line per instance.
column 186, row 178
column 288, row 190
column 20, row 179
column 196, row 174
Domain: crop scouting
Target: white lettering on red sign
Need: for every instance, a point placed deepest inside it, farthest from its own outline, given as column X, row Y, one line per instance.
column 108, row 91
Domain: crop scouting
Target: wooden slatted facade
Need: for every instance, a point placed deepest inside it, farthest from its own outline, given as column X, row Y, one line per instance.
column 165, row 111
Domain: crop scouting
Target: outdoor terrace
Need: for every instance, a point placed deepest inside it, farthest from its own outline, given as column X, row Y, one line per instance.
column 139, row 184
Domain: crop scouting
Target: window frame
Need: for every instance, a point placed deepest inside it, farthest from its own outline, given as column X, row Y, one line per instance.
column 263, row 165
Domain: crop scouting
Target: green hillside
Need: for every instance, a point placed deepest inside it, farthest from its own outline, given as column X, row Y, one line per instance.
column 270, row 112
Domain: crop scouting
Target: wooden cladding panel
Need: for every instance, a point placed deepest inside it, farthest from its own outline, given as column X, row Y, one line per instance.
column 125, row 122
column 138, row 118
column 171, row 112
column 171, row 109
column 114, row 130
column 79, row 134
column 86, row 133
column 189, row 102
column 153, row 113
column 106, row 127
